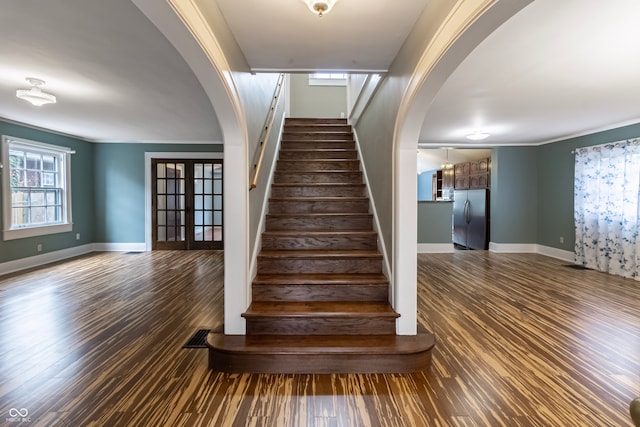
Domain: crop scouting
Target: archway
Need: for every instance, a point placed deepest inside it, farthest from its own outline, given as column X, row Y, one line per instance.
column 468, row 23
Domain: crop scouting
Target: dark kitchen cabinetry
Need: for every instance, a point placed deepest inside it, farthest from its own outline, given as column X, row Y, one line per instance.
column 444, row 183
column 472, row 175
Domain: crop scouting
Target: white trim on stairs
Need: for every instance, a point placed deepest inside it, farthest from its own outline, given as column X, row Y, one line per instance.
column 376, row 222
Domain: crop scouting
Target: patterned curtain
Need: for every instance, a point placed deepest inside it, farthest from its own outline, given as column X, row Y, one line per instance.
column 606, row 211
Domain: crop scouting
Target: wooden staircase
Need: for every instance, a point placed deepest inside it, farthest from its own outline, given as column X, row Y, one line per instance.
column 320, row 298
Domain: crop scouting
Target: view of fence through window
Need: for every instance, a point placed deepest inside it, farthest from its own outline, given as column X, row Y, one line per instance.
column 36, row 188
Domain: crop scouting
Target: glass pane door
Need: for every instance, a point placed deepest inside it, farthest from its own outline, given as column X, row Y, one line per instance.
column 170, row 205
column 187, row 204
column 207, row 204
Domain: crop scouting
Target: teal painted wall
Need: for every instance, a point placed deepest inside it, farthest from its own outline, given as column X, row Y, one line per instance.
column 514, row 195
column 435, row 222
column 555, row 184
column 81, row 193
column 107, row 187
column 119, row 188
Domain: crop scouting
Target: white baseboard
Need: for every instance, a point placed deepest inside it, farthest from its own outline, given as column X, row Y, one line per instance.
column 49, row 257
column 531, row 248
column 435, row 248
column 120, row 247
column 513, row 248
column 556, row 253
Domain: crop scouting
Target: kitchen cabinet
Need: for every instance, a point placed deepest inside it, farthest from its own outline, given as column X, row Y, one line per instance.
column 472, row 175
column 444, row 183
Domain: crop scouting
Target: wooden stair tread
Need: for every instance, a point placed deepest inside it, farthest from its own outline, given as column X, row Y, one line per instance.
column 323, row 131
column 319, row 253
column 317, row 125
column 302, row 309
column 320, row 279
column 315, row 120
column 318, row 233
column 310, row 142
column 318, row 150
column 315, row 171
column 319, row 198
column 316, row 214
column 322, row 344
column 315, row 184
column 327, row 159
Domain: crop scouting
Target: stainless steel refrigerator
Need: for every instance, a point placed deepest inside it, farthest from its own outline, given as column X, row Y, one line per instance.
column 471, row 218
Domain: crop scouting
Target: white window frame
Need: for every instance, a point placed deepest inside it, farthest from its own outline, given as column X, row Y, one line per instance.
column 328, row 79
column 66, row 225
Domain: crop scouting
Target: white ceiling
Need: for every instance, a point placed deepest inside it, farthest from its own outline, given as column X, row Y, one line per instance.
column 555, row 70
column 356, row 35
column 558, row 68
column 115, row 75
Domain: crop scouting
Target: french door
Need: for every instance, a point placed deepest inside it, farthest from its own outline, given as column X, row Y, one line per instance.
column 187, row 204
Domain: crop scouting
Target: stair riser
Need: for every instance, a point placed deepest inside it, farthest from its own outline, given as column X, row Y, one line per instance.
column 312, row 145
column 292, row 177
column 321, row 326
column 317, row 128
column 292, row 222
column 318, row 266
column 319, row 191
column 300, row 293
column 328, row 363
column 317, row 136
column 324, row 242
column 318, row 165
column 311, row 206
column 310, row 121
column 316, row 154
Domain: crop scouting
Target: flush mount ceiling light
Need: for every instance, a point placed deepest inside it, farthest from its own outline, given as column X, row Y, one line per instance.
column 478, row 136
column 35, row 95
column 320, row 7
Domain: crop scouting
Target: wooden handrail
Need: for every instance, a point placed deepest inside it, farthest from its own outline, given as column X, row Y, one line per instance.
column 266, row 131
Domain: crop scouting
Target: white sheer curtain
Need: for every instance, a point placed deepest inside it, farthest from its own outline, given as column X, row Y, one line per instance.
column 606, row 211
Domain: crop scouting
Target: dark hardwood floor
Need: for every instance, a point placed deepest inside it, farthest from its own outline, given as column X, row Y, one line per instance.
column 522, row 340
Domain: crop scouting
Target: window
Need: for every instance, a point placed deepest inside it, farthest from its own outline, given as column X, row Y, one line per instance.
column 607, row 207
column 328, row 79
column 36, row 188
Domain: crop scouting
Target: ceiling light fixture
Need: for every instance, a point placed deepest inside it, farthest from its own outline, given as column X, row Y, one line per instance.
column 35, row 95
column 478, row 136
column 320, row 7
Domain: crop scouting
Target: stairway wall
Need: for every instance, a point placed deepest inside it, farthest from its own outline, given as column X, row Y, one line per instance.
column 316, row 101
column 258, row 196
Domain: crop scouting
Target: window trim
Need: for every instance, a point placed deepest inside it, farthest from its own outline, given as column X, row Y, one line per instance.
column 327, row 79
column 37, row 230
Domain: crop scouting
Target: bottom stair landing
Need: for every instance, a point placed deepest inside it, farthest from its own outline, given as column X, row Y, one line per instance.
column 318, row 354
